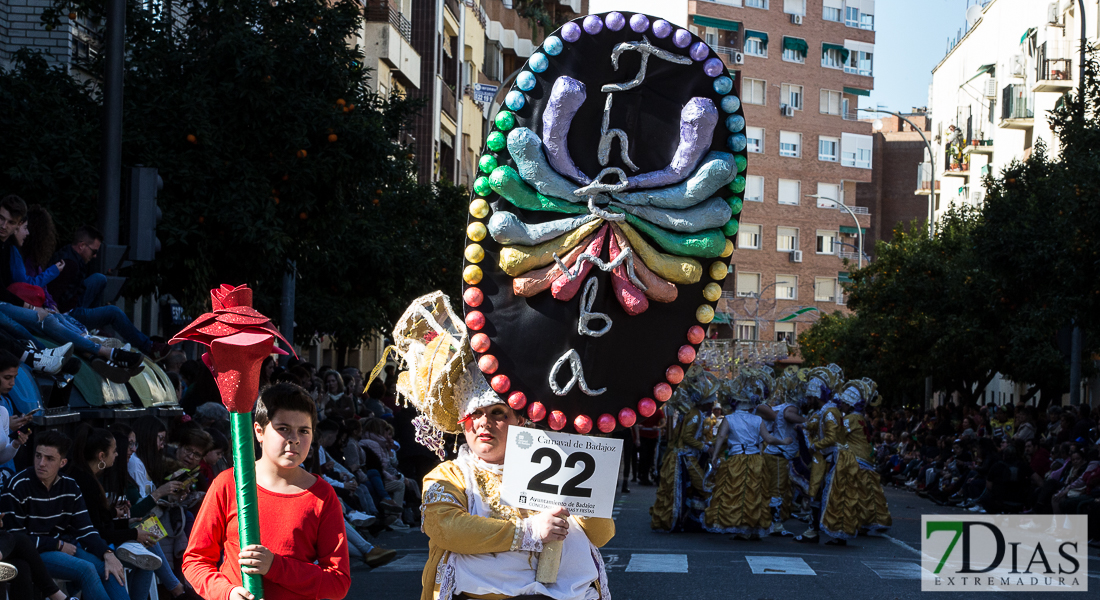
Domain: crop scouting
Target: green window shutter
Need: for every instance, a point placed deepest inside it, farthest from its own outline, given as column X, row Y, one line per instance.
column 857, row 91
column 843, row 51
column 796, row 44
column 763, row 37
column 716, row 23
column 842, row 277
column 852, row 230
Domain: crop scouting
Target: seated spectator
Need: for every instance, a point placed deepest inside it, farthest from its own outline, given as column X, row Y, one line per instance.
column 146, row 464
column 49, row 508
column 373, row 401
column 13, row 426
column 338, row 404
column 344, row 481
column 378, row 438
column 215, row 460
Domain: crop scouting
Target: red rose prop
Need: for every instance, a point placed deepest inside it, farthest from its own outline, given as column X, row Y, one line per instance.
column 235, row 362
column 233, row 313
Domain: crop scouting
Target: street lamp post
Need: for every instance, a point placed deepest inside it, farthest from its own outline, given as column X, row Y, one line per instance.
column 931, row 159
column 859, row 230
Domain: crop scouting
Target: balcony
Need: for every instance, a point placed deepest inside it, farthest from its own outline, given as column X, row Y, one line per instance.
column 1017, row 107
column 448, row 103
column 727, row 54
column 1053, row 75
column 386, row 11
column 387, row 36
column 979, row 147
column 85, row 44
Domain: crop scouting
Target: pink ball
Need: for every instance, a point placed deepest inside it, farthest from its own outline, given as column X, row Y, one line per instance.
column 662, row 391
column 557, row 420
column 536, row 411
column 696, row 334
column 686, row 354
column 583, row 424
column 627, row 418
column 475, row 320
column 518, row 400
column 673, row 374
column 480, row 342
column 501, row 383
column 473, row 297
column 646, row 407
column 488, row 364
column 606, row 423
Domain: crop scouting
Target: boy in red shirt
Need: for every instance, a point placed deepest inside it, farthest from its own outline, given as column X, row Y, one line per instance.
column 301, row 521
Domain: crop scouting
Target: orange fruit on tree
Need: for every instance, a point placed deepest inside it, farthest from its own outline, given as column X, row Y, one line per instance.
column 332, row 137
column 202, row 219
column 351, row 107
column 302, row 154
column 72, row 16
column 191, row 138
column 340, row 102
column 303, row 216
column 375, row 201
column 346, row 109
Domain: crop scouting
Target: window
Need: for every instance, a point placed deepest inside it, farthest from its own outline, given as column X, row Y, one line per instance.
column 786, row 287
column 828, row 148
column 748, row 237
column 794, row 7
column 790, row 144
column 791, row 95
column 851, row 16
column 830, row 102
column 855, row 150
column 786, row 239
column 754, row 188
column 746, row 330
column 863, row 158
column 493, row 64
column 711, row 36
column 824, row 289
column 790, row 191
column 757, row 4
column 784, row 332
column 755, row 136
column 795, row 49
column 833, row 56
column 755, row 47
column 860, row 59
column 791, row 55
column 828, row 194
column 754, row 91
column 858, row 13
column 833, row 10
column 748, row 284
column 827, row 242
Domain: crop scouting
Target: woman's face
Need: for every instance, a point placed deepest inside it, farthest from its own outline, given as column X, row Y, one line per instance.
column 132, row 447
column 162, row 437
column 7, row 379
column 21, row 234
column 487, row 432
column 189, row 456
column 331, row 384
column 112, row 453
column 269, row 370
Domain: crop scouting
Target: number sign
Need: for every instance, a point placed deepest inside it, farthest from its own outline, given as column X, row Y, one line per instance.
column 545, row 469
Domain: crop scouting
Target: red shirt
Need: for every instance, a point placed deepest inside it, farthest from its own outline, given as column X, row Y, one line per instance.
column 298, row 528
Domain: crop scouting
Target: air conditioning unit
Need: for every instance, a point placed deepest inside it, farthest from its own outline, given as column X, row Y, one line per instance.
column 1017, row 66
column 738, row 58
column 786, row 111
column 977, row 196
column 991, row 88
column 796, row 19
column 796, row 256
column 1052, row 15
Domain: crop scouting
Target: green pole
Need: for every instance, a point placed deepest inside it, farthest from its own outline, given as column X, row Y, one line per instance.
column 244, row 472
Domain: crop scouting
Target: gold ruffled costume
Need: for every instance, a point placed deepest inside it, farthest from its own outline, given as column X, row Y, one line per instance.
column 681, row 461
column 874, row 512
column 840, row 510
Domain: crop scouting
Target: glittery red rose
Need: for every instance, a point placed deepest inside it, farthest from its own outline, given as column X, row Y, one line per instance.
column 233, row 313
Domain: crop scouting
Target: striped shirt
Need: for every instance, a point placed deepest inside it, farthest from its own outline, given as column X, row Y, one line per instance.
column 50, row 516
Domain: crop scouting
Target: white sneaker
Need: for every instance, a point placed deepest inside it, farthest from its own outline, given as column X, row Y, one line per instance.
column 64, row 350
column 8, row 571
column 360, row 519
column 49, row 364
column 399, row 524
column 134, row 554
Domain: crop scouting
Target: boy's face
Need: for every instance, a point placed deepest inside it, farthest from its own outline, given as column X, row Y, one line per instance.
column 7, row 379
column 286, row 439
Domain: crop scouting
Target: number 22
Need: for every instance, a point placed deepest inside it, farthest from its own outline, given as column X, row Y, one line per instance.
column 538, row 482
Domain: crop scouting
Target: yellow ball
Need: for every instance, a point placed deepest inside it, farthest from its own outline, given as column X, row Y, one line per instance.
column 704, row 314
column 728, row 250
column 479, row 208
column 476, row 231
column 474, row 253
column 712, row 292
column 472, row 274
column 718, row 270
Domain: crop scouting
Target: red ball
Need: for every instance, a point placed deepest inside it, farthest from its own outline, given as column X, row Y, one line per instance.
column 475, row 320
column 686, row 354
column 517, row 400
column 627, row 418
column 501, row 383
column 674, row 374
column 557, row 420
column 480, row 342
column 606, row 423
column 583, row 424
column 488, row 364
column 646, row 407
column 536, row 411
column 473, row 297
column 662, row 391
column 696, row 334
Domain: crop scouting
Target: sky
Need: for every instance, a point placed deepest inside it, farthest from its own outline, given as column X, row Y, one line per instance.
column 910, row 39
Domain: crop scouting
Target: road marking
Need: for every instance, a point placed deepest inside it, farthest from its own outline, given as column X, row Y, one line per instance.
column 903, row 545
column 778, row 565
column 657, row 563
column 406, row 564
column 887, row 569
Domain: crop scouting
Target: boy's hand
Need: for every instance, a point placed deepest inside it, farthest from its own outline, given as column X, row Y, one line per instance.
column 113, row 568
column 239, row 593
column 255, row 559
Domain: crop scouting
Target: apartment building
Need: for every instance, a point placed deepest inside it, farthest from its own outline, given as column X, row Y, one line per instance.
column 801, row 67
column 74, row 43
column 894, row 197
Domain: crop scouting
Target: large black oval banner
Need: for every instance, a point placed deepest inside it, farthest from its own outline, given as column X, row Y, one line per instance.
column 600, row 221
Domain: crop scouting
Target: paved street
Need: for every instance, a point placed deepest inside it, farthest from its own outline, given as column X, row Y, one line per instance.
column 643, row 564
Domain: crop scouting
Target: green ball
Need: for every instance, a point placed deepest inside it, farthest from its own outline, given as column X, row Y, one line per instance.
column 741, row 161
column 487, row 163
column 496, row 141
column 735, row 205
column 505, row 120
column 482, row 187
column 730, row 228
column 738, row 185
column 496, row 179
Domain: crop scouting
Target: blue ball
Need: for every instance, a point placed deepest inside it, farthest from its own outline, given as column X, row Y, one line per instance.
column 525, row 81
column 552, row 45
column 737, row 142
column 538, row 62
column 723, row 85
column 730, row 104
column 515, row 100
column 735, row 123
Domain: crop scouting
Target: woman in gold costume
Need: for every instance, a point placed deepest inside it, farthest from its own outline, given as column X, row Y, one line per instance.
column 856, row 395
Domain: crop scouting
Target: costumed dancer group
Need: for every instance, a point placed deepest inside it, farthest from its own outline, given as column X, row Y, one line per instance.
column 799, row 439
